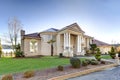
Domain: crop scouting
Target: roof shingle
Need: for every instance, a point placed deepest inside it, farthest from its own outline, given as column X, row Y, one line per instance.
column 32, row 35
column 100, row 43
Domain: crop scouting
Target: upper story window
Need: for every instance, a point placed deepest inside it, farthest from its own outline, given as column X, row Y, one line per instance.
column 33, row 46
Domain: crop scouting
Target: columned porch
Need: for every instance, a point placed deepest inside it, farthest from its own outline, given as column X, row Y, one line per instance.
column 72, row 44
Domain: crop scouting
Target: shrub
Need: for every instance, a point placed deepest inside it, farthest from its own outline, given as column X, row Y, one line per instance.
column 112, row 53
column 84, row 63
column 93, row 48
column 29, row 74
column 19, row 54
column 7, row 77
column 94, row 62
column 60, row 68
column 75, row 62
column 0, row 49
column 98, row 54
column 88, row 53
column 60, row 55
column 88, row 61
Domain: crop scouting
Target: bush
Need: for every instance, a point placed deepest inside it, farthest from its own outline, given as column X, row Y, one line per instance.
column 75, row 62
column 94, row 62
column 88, row 53
column 60, row 68
column 84, row 63
column 98, row 55
column 7, row 77
column 29, row 74
column 60, row 55
column 19, row 54
column 88, row 61
column 112, row 53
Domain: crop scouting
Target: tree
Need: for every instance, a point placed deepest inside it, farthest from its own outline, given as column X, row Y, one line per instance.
column 93, row 48
column 14, row 27
column 18, row 51
column 112, row 53
column 98, row 54
column 51, row 42
column 0, row 48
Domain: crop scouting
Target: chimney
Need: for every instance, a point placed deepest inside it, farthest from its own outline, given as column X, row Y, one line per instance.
column 22, row 32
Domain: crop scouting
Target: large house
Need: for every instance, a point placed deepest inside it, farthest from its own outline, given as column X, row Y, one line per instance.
column 70, row 40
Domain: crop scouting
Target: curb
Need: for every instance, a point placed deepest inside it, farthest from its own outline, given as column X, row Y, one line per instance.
column 83, row 72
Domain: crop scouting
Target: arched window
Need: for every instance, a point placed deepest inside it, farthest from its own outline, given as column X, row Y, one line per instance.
column 33, row 46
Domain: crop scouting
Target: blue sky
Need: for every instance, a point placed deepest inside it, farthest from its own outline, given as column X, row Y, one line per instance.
column 98, row 18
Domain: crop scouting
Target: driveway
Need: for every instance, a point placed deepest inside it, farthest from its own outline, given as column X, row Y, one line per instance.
column 108, row 74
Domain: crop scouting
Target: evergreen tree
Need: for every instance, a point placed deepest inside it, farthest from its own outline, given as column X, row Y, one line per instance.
column 98, row 54
column 0, row 49
column 112, row 53
column 93, row 48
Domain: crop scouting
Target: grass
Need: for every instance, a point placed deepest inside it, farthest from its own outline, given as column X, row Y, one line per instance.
column 106, row 57
column 13, row 65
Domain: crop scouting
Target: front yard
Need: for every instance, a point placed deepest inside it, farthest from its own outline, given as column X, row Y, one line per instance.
column 12, row 65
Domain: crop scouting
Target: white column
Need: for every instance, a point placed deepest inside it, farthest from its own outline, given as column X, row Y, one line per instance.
column 58, row 44
column 69, row 40
column 87, row 42
column 64, row 40
column 79, row 43
column 67, row 45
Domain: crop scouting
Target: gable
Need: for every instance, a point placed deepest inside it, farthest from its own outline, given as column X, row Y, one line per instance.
column 73, row 27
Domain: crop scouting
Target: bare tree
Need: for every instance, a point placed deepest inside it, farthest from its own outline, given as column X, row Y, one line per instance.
column 14, row 27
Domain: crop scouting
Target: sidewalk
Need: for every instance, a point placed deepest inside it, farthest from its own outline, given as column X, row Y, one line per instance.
column 92, row 57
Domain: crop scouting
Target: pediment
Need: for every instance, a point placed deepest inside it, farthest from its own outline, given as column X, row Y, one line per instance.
column 74, row 27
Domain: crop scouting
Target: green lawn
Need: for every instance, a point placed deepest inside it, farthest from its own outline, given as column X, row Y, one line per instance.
column 12, row 65
column 106, row 57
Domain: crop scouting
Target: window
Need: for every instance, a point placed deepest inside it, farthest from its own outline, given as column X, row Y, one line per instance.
column 33, row 46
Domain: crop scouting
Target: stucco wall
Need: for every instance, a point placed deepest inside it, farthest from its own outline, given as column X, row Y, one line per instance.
column 45, row 47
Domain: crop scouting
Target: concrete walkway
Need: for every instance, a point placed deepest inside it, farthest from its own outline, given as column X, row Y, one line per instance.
column 108, row 74
column 92, row 57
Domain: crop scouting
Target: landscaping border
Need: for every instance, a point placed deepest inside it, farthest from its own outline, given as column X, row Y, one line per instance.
column 63, row 77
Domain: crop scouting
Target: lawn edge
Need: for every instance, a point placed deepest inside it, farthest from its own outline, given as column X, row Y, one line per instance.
column 71, row 75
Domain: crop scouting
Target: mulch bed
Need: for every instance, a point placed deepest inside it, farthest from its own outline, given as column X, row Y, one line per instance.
column 53, row 72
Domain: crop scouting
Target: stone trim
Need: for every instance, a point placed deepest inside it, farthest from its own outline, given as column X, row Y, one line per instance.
column 83, row 72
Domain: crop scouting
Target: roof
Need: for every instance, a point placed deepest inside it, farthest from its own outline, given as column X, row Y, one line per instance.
column 88, row 36
column 72, row 27
column 51, row 30
column 116, row 45
column 32, row 35
column 100, row 43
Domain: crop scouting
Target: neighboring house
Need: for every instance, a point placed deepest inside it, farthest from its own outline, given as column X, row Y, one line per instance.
column 104, row 47
column 116, row 46
column 70, row 39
